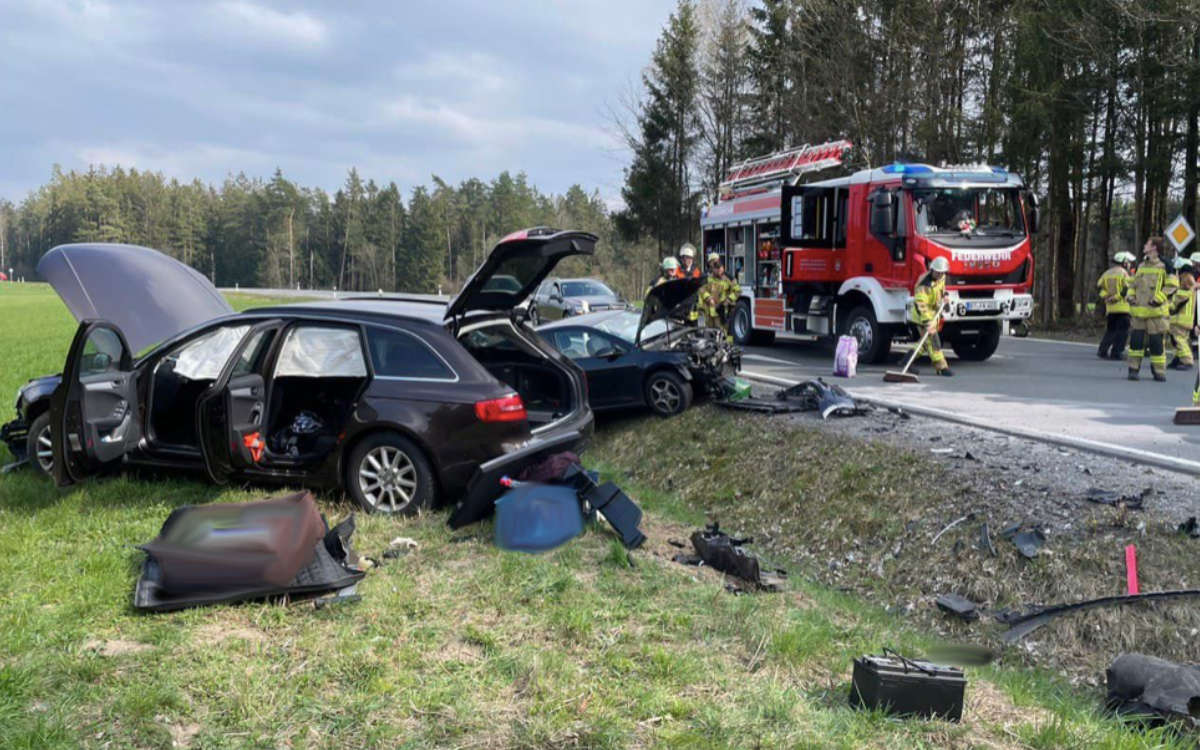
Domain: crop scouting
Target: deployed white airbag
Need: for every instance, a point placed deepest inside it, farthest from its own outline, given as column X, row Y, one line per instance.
column 203, row 358
column 317, row 352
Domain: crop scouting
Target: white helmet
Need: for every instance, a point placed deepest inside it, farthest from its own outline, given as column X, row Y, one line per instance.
column 1196, row 259
column 1125, row 257
column 687, row 251
column 941, row 265
column 1182, row 262
column 669, row 264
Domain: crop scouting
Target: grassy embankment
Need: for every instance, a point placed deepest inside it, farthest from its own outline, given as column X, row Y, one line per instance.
column 458, row 644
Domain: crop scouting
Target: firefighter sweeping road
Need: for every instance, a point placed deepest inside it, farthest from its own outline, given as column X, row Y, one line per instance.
column 1054, row 387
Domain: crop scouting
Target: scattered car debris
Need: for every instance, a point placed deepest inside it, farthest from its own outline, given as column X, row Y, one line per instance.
column 621, row 512
column 229, row 552
column 959, row 606
column 1149, row 687
column 727, row 554
column 1029, row 543
column 985, row 539
column 969, row 517
column 811, row 395
column 1191, row 527
column 907, row 687
column 1108, row 497
column 1025, row 623
column 899, row 412
column 399, row 547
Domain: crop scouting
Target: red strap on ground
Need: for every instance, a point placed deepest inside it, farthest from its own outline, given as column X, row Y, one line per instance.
column 1131, row 576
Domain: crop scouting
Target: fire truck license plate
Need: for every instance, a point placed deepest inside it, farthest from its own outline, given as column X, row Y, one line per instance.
column 983, row 304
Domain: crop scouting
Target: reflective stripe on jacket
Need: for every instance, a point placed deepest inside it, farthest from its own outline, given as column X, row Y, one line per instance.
column 1146, row 296
column 927, row 299
column 1113, row 284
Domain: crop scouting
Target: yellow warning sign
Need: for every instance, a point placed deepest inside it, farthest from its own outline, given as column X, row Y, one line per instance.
column 1180, row 233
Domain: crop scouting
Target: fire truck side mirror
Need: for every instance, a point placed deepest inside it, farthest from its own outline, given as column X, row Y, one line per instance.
column 883, row 213
column 1031, row 209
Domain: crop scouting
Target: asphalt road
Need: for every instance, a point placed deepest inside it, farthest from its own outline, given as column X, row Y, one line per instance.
column 1054, row 387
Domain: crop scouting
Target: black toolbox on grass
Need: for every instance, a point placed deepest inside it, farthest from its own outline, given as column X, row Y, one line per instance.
column 907, row 687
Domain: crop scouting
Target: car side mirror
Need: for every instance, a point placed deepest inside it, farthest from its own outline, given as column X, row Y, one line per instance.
column 608, row 352
column 883, row 213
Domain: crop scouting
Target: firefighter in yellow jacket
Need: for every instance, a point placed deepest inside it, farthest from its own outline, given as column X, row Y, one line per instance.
column 1183, row 315
column 1113, row 284
column 718, row 296
column 928, row 297
column 1148, row 295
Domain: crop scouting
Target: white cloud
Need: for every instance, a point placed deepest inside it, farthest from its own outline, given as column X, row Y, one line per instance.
column 496, row 131
column 267, row 24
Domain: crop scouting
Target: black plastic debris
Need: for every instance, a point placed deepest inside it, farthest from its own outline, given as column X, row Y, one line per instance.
column 908, row 687
column 1154, row 689
column 1024, row 623
column 985, row 539
column 718, row 550
column 1030, row 543
column 959, row 606
column 1191, row 527
column 1110, row 497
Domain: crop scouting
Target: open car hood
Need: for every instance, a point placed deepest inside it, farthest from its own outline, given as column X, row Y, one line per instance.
column 663, row 299
column 148, row 295
column 515, row 268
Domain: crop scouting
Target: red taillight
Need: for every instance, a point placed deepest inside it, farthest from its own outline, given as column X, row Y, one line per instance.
column 510, row 408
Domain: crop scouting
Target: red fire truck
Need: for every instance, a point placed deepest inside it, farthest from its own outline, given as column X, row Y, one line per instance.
column 841, row 256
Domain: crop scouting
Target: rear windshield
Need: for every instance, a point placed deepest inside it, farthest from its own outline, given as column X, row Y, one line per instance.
column 585, row 289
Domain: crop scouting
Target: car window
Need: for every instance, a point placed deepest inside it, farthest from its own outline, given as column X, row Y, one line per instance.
column 101, row 353
column 396, row 354
column 572, row 342
column 251, row 356
column 586, row 288
column 321, row 352
column 203, row 357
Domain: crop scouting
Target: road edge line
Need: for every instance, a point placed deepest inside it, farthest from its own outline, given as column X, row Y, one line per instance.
column 1134, row 455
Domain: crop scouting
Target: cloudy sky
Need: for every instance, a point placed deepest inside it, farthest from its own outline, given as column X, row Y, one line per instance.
column 401, row 90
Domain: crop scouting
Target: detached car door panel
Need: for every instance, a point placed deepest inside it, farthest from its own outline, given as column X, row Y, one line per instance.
column 94, row 410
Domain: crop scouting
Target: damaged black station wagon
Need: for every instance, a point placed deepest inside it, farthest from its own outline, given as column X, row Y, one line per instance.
column 399, row 400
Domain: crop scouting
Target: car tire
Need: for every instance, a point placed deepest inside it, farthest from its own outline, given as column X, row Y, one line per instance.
column 406, row 486
column 874, row 340
column 977, row 347
column 38, row 447
column 741, row 325
column 667, row 394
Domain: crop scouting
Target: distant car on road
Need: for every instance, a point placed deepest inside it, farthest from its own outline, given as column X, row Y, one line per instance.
column 399, row 401
column 562, row 298
column 645, row 359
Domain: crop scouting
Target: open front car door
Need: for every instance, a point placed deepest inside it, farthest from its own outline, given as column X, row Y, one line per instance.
column 94, row 414
column 230, row 414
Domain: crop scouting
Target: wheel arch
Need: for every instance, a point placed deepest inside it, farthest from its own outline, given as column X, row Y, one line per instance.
column 888, row 304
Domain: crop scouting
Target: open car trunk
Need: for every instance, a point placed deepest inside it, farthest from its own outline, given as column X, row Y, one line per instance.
column 520, row 361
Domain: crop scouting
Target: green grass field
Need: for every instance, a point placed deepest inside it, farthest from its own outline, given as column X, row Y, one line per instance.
column 458, row 644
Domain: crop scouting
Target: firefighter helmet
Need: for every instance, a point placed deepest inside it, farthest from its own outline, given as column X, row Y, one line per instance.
column 1182, row 262
column 669, row 264
column 713, row 258
column 687, row 251
column 941, row 265
column 1125, row 257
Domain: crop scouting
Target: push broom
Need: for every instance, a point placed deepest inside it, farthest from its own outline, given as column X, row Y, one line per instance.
column 1191, row 414
column 904, row 376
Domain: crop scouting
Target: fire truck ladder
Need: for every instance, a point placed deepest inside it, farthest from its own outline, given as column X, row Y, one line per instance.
column 783, row 166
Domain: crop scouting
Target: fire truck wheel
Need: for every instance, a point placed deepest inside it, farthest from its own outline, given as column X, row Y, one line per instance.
column 874, row 341
column 976, row 347
column 667, row 394
column 741, row 323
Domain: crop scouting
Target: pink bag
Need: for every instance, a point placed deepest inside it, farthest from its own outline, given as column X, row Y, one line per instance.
column 845, row 357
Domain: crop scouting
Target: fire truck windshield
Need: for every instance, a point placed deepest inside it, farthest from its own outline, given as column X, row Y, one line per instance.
column 966, row 214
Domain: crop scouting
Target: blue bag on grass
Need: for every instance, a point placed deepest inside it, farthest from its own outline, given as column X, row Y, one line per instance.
column 537, row 517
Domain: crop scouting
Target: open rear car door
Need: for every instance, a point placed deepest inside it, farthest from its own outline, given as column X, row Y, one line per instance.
column 94, row 411
column 230, row 414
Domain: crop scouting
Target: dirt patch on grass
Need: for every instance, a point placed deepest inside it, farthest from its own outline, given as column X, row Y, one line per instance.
column 214, row 633
column 991, row 717
column 182, row 734
column 115, row 647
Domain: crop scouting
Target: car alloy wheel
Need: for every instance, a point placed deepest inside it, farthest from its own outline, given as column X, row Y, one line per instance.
column 38, row 448
column 45, row 450
column 387, row 478
column 664, row 396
